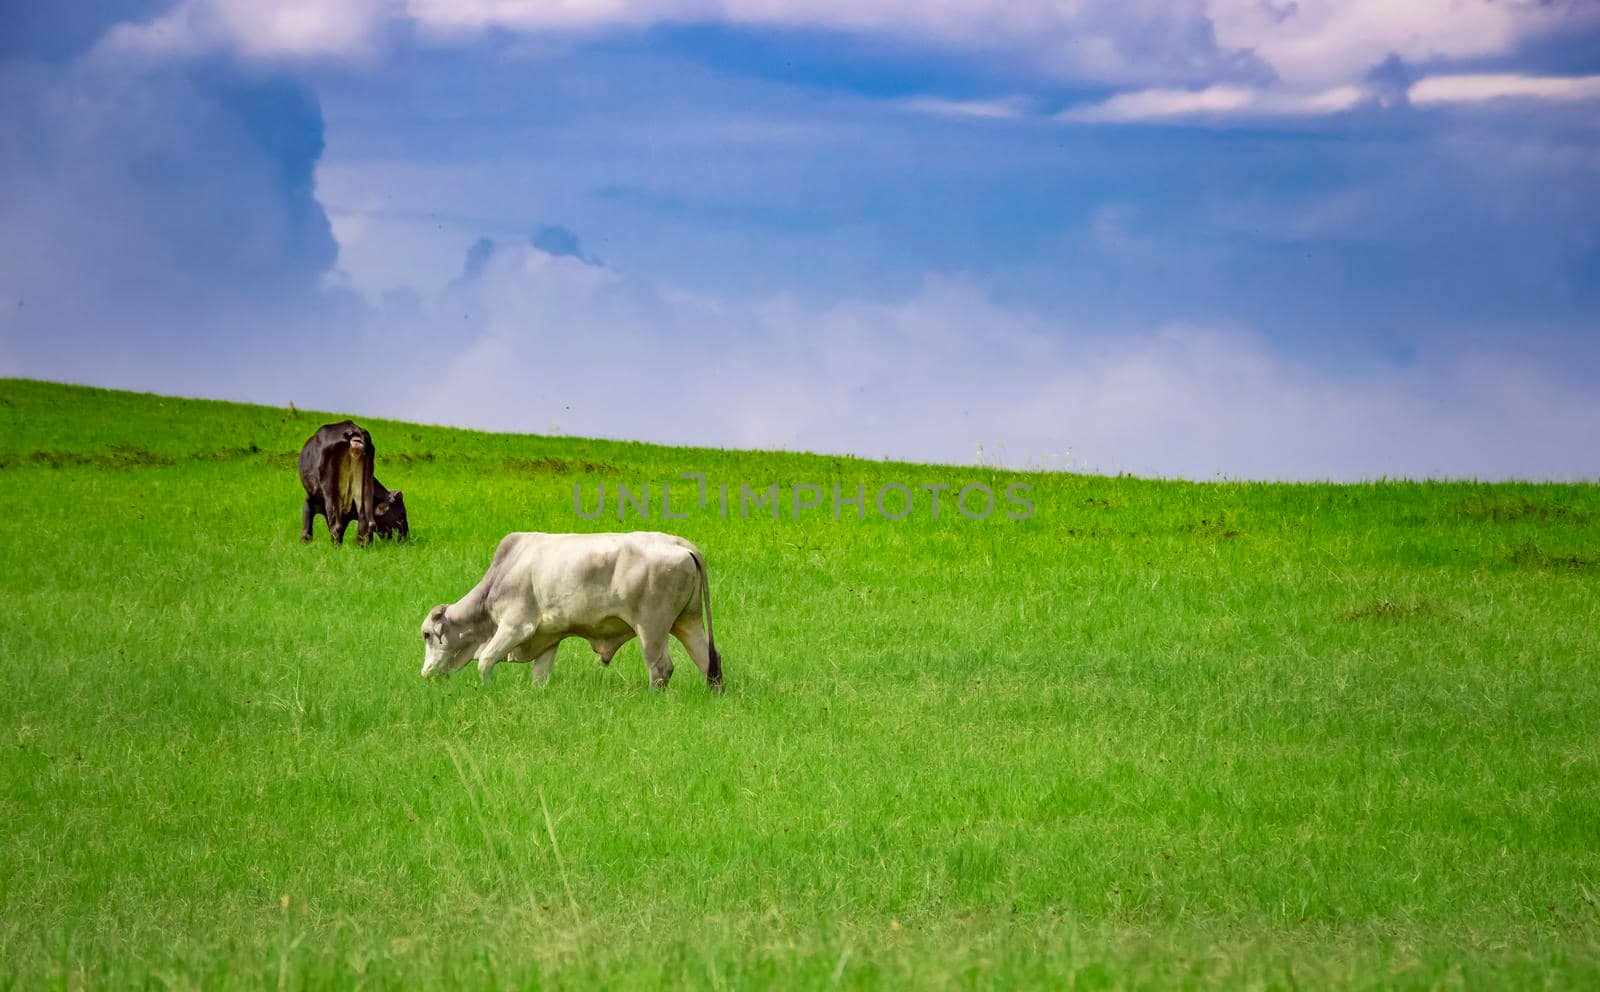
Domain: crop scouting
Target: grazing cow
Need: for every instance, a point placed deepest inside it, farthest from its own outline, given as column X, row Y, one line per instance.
column 605, row 588
column 336, row 471
column 388, row 515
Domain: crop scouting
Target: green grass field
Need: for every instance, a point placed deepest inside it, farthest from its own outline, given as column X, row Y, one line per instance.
column 1160, row 734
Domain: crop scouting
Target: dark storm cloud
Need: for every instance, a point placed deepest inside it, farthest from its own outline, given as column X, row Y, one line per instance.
column 157, row 214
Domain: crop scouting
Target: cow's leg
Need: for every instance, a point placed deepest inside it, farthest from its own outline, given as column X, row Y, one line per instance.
column 506, row 637
column 656, row 655
column 364, row 526
column 308, row 516
column 543, row 661
column 543, row 665
column 691, row 633
column 336, row 520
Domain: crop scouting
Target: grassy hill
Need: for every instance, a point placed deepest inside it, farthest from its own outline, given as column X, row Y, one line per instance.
column 1159, row 733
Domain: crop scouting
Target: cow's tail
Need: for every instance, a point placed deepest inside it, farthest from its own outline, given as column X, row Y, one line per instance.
column 714, row 669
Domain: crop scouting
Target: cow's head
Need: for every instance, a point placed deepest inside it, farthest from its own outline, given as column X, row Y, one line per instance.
column 355, row 436
column 389, row 516
column 446, row 645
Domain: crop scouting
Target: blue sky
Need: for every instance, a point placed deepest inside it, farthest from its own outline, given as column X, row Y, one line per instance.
column 1198, row 238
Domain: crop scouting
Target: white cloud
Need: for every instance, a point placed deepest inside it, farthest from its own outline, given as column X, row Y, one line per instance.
column 379, row 253
column 1213, row 101
column 279, row 29
column 997, row 110
column 1325, row 42
column 929, row 376
column 1308, row 45
column 1476, row 88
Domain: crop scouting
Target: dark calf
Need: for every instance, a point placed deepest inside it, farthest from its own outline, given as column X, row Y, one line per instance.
column 389, row 516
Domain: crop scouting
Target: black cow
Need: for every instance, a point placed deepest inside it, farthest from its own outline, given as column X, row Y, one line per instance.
column 336, row 471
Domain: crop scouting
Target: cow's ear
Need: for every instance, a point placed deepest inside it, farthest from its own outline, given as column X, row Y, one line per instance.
column 397, row 495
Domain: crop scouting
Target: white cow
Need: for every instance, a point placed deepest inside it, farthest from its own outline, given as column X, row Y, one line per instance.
column 605, row 588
